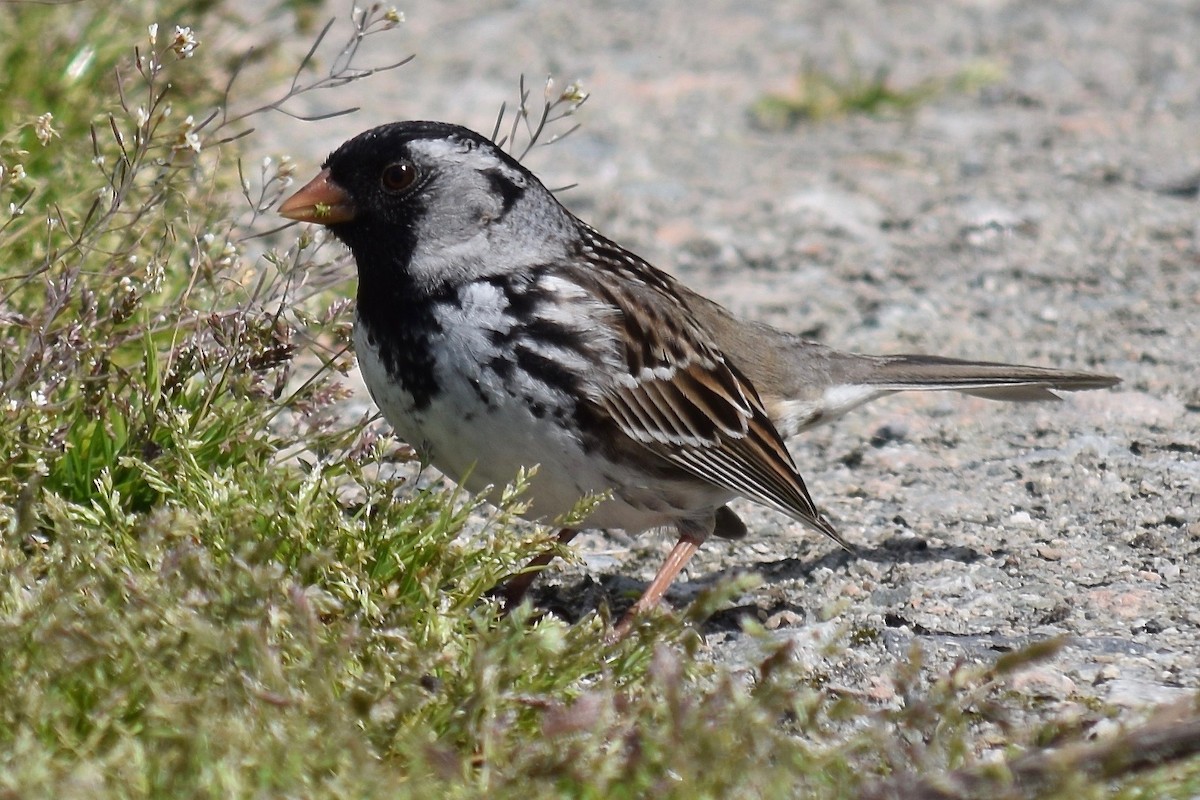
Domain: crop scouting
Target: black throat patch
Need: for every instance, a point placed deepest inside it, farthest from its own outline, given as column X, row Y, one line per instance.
column 401, row 328
column 396, row 314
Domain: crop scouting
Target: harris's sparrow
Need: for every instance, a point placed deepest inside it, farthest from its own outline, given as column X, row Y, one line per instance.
column 497, row 331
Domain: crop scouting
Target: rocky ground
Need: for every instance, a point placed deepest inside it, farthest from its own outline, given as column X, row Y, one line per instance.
column 1048, row 216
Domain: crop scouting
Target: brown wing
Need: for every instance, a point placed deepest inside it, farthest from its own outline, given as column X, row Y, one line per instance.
column 682, row 400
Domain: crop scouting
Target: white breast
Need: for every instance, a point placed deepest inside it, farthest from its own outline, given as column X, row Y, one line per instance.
column 480, row 427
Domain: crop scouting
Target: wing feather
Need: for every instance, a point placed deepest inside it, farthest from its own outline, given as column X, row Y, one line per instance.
column 680, row 397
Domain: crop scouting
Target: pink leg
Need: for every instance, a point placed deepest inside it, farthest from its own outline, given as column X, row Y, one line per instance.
column 677, row 559
column 514, row 589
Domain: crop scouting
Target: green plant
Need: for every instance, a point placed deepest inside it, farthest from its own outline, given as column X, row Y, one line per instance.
column 819, row 94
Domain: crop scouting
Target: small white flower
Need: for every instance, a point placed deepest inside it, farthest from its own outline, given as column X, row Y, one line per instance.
column 185, row 42
column 187, row 138
column 286, row 168
column 574, row 93
column 155, row 272
column 153, row 29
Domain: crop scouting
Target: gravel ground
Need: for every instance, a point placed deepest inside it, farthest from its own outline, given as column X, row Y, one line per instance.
column 1049, row 217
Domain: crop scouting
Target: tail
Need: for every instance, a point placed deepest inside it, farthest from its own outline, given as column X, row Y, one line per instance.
column 1012, row 382
column 838, row 382
column 805, row 383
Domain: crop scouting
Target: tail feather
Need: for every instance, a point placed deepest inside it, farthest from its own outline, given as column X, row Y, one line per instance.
column 1013, row 382
column 1024, row 393
column 845, row 381
column 804, row 383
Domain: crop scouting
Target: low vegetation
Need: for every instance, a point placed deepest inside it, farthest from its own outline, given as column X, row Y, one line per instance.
column 820, row 94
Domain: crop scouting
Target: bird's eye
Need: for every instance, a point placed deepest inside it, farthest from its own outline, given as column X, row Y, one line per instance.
column 399, row 176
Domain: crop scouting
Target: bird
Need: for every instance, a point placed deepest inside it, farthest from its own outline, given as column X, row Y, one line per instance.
column 496, row 331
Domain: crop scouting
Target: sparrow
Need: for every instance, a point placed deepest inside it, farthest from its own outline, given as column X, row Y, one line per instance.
column 496, row 331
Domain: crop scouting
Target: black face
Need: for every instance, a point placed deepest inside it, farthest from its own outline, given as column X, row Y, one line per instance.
column 386, row 183
column 377, row 171
column 389, row 182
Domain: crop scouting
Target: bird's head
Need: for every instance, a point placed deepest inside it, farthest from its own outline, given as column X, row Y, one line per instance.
column 438, row 201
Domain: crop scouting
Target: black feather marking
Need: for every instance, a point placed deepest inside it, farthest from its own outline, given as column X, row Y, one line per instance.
column 522, row 300
column 398, row 317
column 547, row 370
column 508, row 190
column 480, row 393
column 502, row 367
